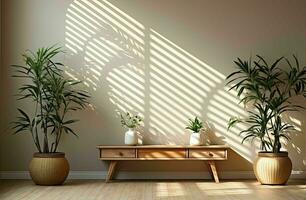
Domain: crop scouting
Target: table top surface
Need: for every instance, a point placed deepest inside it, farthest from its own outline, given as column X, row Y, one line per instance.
column 161, row 146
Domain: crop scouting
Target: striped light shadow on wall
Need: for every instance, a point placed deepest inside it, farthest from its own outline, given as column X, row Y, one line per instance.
column 140, row 70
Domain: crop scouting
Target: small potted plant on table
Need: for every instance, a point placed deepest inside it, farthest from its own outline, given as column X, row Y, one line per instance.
column 196, row 137
column 131, row 122
column 268, row 90
column 53, row 97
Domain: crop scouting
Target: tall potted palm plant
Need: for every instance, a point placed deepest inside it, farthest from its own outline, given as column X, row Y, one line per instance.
column 268, row 89
column 53, row 97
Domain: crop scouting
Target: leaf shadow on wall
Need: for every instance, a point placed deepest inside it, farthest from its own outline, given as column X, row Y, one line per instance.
column 296, row 146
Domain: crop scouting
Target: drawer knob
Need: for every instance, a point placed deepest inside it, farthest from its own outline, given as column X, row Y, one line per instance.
column 210, row 154
column 120, row 154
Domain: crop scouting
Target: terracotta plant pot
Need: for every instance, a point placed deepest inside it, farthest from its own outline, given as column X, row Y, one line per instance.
column 272, row 168
column 49, row 168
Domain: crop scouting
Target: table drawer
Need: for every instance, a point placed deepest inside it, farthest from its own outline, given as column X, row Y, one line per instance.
column 118, row 153
column 207, row 153
column 161, row 153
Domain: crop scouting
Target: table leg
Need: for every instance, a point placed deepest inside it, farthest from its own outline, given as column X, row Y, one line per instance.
column 111, row 171
column 209, row 170
column 213, row 169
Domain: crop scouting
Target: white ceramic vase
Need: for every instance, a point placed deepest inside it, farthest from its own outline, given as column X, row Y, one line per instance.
column 196, row 139
column 130, row 137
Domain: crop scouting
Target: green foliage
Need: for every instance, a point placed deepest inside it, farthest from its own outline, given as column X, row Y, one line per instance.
column 195, row 125
column 129, row 120
column 54, row 97
column 269, row 89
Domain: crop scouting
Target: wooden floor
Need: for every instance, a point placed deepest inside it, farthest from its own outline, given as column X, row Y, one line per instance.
column 137, row 190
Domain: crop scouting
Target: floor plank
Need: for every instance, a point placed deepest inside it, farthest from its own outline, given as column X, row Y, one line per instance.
column 152, row 190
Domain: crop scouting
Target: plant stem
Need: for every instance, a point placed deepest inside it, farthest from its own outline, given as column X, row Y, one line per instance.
column 58, row 137
column 44, row 125
column 36, row 140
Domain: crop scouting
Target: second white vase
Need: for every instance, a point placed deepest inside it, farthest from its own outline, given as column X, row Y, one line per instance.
column 196, row 139
column 130, row 137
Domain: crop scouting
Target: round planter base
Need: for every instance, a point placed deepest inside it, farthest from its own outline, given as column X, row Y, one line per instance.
column 272, row 168
column 49, row 168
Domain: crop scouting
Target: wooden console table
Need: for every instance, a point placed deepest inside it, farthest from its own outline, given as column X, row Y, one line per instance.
column 210, row 154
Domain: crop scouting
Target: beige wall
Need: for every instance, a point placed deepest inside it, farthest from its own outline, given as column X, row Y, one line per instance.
column 166, row 60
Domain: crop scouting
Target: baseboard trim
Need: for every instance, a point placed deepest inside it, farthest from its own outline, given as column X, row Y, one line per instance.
column 150, row 175
column 14, row 175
